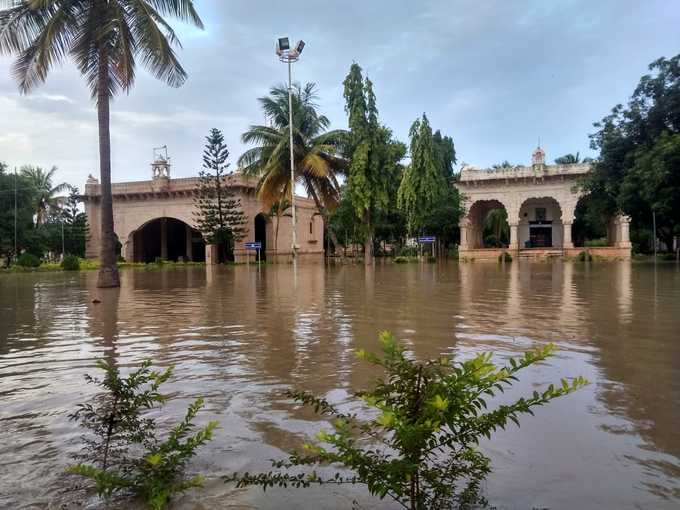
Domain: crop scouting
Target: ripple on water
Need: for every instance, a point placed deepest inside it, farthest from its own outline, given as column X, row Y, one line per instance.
column 242, row 337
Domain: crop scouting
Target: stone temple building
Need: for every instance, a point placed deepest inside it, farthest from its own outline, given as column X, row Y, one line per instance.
column 540, row 201
column 156, row 218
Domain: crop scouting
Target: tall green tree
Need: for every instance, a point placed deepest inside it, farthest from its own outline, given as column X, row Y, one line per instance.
column 76, row 228
column 45, row 192
column 104, row 38
column 568, row 159
column 373, row 154
column 637, row 148
column 424, row 183
column 316, row 150
column 15, row 189
column 218, row 211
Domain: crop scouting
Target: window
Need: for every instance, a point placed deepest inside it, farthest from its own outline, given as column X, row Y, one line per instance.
column 540, row 214
column 311, row 227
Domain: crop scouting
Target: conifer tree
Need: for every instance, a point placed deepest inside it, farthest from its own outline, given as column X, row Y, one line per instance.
column 218, row 211
column 76, row 226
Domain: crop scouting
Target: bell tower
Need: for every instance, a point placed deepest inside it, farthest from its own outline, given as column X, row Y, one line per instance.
column 160, row 168
column 538, row 159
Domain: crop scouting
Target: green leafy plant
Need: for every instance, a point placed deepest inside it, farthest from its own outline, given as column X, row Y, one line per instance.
column 596, row 243
column 585, row 256
column 505, row 257
column 418, row 439
column 28, row 260
column 70, row 263
column 122, row 450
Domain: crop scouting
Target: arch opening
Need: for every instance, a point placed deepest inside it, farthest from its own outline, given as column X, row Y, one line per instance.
column 168, row 239
column 489, row 226
column 261, row 234
column 540, row 223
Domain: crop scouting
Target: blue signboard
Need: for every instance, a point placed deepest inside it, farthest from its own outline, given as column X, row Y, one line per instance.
column 253, row 246
column 427, row 239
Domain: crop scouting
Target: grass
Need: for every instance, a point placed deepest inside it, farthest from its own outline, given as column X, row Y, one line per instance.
column 91, row 265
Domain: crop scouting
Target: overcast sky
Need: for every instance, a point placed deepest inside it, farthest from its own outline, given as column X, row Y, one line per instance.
column 494, row 75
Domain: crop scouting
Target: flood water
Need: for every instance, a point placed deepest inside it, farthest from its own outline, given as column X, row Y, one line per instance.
column 240, row 337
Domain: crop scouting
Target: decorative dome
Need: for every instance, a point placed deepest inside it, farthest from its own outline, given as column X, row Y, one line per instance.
column 538, row 156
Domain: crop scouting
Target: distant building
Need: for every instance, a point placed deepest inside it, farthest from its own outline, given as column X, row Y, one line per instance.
column 540, row 201
column 155, row 219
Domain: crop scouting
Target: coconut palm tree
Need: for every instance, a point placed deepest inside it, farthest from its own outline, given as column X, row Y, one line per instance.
column 496, row 228
column 103, row 38
column 276, row 211
column 45, row 192
column 316, row 150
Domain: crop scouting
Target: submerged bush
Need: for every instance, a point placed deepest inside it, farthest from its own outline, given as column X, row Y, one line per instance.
column 122, row 450
column 585, row 256
column 505, row 257
column 70, row 263
column 28, row 260
column 421, row 447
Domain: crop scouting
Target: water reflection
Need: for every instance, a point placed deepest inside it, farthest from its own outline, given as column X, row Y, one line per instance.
column 241, row 336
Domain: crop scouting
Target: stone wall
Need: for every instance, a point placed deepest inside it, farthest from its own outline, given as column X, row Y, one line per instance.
column 135, row 204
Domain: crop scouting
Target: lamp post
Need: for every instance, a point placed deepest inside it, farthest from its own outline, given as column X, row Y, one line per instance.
column 288, row 55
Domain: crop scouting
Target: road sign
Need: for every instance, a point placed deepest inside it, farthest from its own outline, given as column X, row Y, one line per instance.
column 253, row 246
column 427, row 239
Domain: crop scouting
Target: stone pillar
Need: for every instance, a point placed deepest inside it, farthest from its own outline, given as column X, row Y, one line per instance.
column 211, row 254
column 164, row 238
column 623, row 237
column 566, row 236
column 190, row 246
column 465, row 233
column 130, row 249
column 514, row 236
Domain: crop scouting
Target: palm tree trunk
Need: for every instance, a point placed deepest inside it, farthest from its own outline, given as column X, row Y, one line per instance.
column 108, row 272
column 324, row 214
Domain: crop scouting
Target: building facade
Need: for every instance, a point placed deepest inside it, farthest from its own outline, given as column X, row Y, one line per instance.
column 156, row 219
column 540, row 201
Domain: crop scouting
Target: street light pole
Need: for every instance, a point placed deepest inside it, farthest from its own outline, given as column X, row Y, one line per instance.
column 289, row 55
column 16, row 255
column 292, row 155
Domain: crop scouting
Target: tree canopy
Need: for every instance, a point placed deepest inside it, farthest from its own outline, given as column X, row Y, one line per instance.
column 637, row 169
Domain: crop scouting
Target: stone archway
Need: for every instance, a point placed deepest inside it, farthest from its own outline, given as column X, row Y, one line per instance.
column 473, row 226
column 540, row 224
column 261, row 234
column 165, row 238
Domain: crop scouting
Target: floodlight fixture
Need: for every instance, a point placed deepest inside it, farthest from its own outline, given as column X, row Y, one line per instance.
column 284, row 44
column 300, row 46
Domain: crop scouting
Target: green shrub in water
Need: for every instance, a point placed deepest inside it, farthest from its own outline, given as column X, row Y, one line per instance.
column 505, row 257
column 431, row 259
column 28, row 260
column 419, row 445
column 70, row 263
column 585, row 256
column 121, row 448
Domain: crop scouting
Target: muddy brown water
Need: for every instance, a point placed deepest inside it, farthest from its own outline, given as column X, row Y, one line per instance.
column 240, row 336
